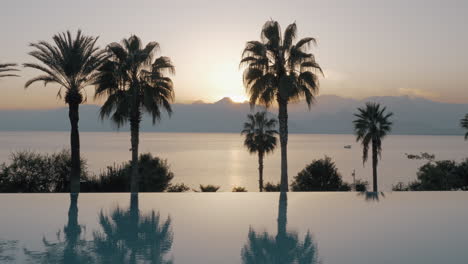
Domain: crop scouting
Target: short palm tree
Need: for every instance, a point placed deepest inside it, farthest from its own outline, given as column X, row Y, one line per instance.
column 260, row 138
column 371, row 126
column 279, row 71
column 464, row 124
column 134, row 82
column 6, row 69
column 71, row 63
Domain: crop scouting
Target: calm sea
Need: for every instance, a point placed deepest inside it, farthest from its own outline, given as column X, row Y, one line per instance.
column 221, row 159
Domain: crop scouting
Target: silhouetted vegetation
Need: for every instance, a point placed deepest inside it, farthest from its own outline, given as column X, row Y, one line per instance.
column 361, row 186
column 178, row 187
column 280, row 71
column 371, row 127
column 283, row 248
column 71, row 64
column 133, row 82
column 319, row 176
column 443, row 175
column 260, row 138
column 209, row 188
column 6, row 70
column 464, row 125
column 239, row 189
column 34, row 172
column 272, row 187
column 128, row 236
column 155, row 176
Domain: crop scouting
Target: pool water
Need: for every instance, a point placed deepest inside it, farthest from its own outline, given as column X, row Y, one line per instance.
column 406, row 227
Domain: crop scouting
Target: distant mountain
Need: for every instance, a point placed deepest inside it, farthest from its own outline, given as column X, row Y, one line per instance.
column 330, row 114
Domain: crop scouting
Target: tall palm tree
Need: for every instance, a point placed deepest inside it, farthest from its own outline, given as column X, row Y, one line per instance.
column 371, row 126
column 278, row 71
column 6, row 69
column 134, row 82
column 71, row 63
column 260, row 138
column 464, row 124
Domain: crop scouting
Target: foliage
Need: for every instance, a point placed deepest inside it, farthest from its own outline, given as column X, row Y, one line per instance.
column 464, row 124
column 133, row 81
column 272, row 187
column 178, row 187
column 6, row 69
column 29, row 171
column 320, row 175
column 441, row 175
column 239, row 189
column 155, row 176
column 371, row 126
column 361, row 186
column 260, row 133
column 209, row 188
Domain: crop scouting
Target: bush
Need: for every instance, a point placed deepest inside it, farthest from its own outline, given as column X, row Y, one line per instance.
column 209, row 188
column 178, row 187
column 35, row 172
column 239, row 189
column 441, row 175
column 320, row 175
column 271, row 187
column 361, row 186
column 155, row 176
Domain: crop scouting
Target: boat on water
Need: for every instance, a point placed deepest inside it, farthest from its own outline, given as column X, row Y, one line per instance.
column 347, row 146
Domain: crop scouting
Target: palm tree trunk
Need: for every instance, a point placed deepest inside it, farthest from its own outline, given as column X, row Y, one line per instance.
column 260, row 170
column 283, row 133
column 75, row 173
column 374, row 166
column 135, row 134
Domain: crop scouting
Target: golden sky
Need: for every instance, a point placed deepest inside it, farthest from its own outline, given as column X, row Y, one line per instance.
column 367, row 48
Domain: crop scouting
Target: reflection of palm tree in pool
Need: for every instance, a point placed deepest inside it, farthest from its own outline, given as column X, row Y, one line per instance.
column 130, row 237
column 372, row 196
column 283, row 248
column 73, row 249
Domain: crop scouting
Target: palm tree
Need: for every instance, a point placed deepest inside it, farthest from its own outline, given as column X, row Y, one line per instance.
column 72, row 64
column 371, row 126
column 278, row 71
column 6, row 68
column 464, row 124
column 260, row 138
column 133, row 82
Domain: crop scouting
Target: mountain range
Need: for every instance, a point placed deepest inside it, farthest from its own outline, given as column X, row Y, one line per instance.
column 330, row 114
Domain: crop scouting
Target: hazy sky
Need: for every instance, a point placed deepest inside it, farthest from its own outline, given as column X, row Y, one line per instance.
column 365, row 47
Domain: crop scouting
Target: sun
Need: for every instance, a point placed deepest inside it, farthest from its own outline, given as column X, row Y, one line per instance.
column 226, row 81
column 238, row 98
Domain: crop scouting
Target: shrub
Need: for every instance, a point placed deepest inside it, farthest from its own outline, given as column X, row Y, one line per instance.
column 320, row 175
column 272, row 187
column 209, row 188
column 239, row 189
column 35, row 172
column 178, row 187
column 155, row 176
column 361, row 186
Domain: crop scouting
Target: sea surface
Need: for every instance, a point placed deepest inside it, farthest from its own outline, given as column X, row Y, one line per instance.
column 221, row 159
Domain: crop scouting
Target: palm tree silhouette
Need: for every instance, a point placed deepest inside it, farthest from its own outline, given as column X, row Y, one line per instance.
column 277, row 71
column 260, row 138
column 6, row 69
column 130, row 237
column 70, row 63
column 73, row 249
column 133, row 82
column 464, row 124
column 371, row 126
column 284, row 248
